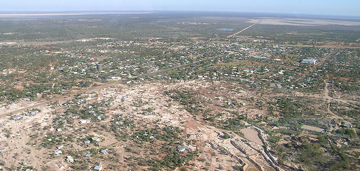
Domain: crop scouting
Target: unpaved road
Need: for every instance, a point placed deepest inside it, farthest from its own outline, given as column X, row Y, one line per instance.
column 233, row 35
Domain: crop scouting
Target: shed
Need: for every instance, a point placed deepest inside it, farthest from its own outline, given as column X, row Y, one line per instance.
column 57, row 152
column 98, row 167
column 69, row 159
column 19, row 117
column 309, row 61
column 182, row 148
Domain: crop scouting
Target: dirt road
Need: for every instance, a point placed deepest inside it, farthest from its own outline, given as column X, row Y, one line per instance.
column 233, row 35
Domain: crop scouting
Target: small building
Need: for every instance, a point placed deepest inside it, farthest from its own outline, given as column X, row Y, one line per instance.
column 347, row 126
column 33, row 112
column 182, row 148
column 98, row 167
column 69, row 159
column 88, row 155
column 26, row 99
column 84, row 121
column 57, row 152
column 97, row 139
column 104, row 151
column 19, row 117
column 309, row 61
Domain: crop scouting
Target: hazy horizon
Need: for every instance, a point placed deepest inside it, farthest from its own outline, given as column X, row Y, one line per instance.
column 294, row 7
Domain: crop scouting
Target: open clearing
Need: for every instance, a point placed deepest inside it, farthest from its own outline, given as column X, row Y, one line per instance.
column 251, row 135
column 312, row 128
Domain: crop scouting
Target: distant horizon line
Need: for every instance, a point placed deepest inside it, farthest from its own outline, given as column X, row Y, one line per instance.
column 88, row 12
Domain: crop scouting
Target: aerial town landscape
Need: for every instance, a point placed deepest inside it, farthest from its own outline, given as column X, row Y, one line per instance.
column 179, row 91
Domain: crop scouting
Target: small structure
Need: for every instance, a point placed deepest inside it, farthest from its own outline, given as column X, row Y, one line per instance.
column 104, row 151
column 33, row 112
column 309, row 61
column 88, row 155
column 347, row 126
column 26, row 99
column 97, row 139
column 84, row 121
column 182, row 148
column 19, row 117
column 99, row 167
column 69, row 159
column 57, row 152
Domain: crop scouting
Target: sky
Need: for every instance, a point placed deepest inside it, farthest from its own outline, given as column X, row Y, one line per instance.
column 318, row 7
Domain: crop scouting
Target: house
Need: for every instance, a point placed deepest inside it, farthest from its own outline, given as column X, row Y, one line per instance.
column 98, row 167
column 119, row 122
column 97, row 139
column 84, row 121
column 88, row 155
column 182, row 148
column 69, row 159
column 33, row 112
column 19, row 117
column 105, row 151
column 347, row 126
column 309, row 61
column 57, row 152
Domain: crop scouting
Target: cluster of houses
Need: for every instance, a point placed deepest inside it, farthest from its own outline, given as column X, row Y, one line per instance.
column 28, row 113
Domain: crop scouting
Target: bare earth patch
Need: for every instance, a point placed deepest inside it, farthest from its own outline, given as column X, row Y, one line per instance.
column 252, row 135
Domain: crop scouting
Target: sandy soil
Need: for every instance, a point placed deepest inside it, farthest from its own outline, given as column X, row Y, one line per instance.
column 252, row 135
column 207, row 139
